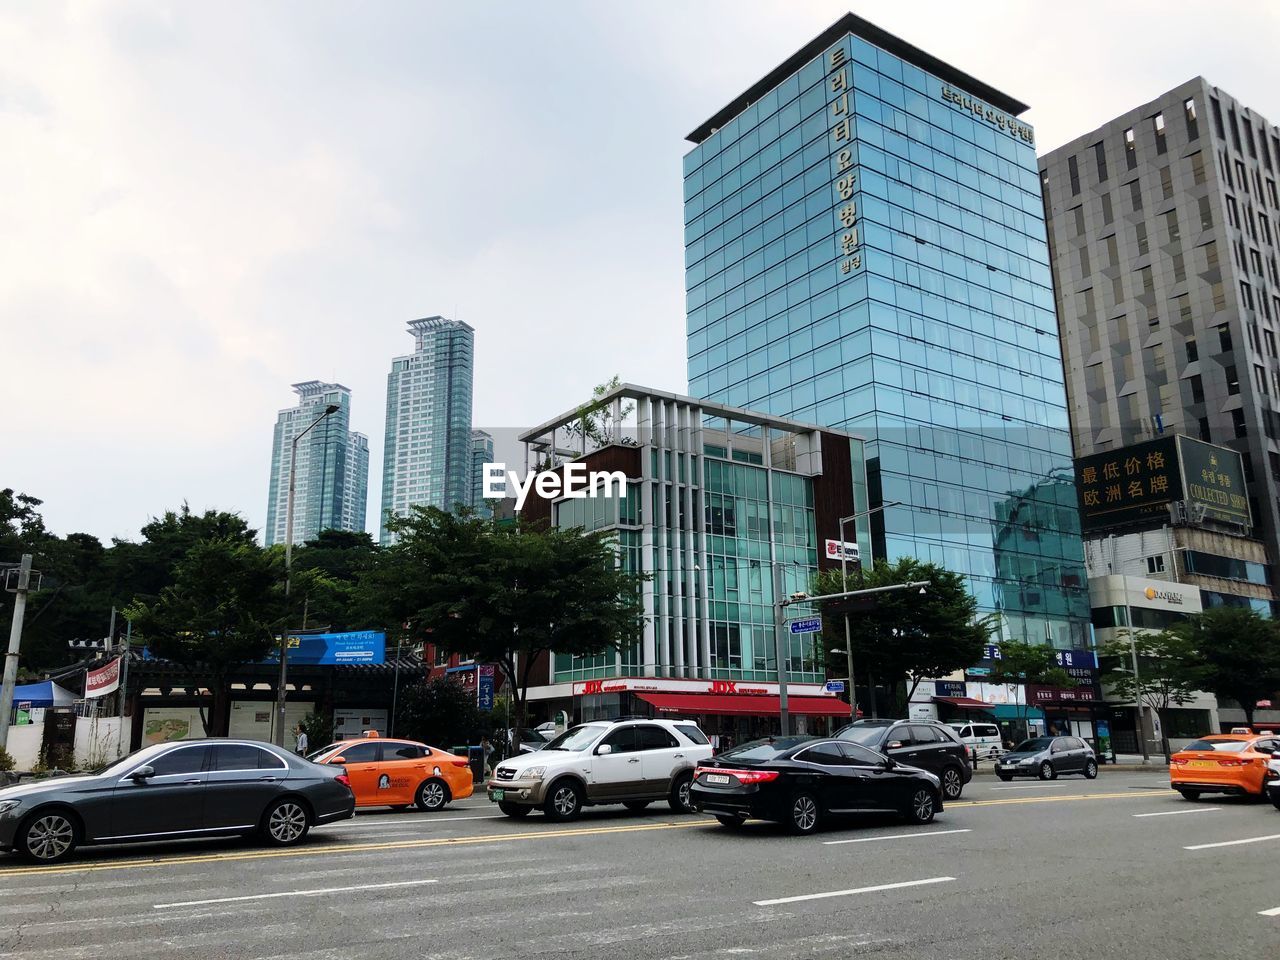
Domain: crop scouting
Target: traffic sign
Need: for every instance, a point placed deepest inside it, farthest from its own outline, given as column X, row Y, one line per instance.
column 835, row 686
column 807, row 625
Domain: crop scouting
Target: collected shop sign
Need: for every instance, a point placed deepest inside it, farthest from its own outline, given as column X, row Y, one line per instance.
column 104, row 680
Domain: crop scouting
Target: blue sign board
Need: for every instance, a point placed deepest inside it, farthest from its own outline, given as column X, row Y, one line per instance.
column 484, row 687
column 807, row 625
column 835, row 686
column 1066, row 658
column 330, row 649
column 951, row 688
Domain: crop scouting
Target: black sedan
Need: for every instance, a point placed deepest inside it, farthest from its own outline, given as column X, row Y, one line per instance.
column 799, row 781
column 172, row 791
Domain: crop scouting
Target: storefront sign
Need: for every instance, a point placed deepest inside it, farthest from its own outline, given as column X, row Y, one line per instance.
column 1076, row 658
column 843, row 550
column 1039, row 695
column 1213, row 478
column 588, row 688
column 104, row 680
column 1168, row 596
column 951, row 688
column 485, row 686
column 327, row 649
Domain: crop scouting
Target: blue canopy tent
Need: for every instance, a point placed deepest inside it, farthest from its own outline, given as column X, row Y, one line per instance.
column 46, row 694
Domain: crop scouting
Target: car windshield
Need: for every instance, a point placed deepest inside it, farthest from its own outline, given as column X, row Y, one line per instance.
column 869, row 734
column 1034, row 745
column 127, row 760
column 758, row 751
column 1218, row 746
column 575, row 740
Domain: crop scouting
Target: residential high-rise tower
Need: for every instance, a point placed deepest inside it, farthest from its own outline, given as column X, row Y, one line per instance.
column 332, row 480
column 481, row 453
column 427, row 456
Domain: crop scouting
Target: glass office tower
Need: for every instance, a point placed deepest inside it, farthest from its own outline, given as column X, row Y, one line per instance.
column 865, row 249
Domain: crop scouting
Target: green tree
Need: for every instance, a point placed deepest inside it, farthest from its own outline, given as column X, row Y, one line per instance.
column 1238, row 652
column 596, row 415
column 903, row 636
column 225, row 607
column 326, row 573
column 1024, row 663
column 506, row 594
column 1168, row 671
column 440, row 712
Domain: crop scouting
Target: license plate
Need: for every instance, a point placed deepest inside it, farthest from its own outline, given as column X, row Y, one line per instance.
column 498, row 795
column 717, row 778
column 1201, row 764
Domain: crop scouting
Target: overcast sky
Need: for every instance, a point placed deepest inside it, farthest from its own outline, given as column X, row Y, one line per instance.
column 204, row 203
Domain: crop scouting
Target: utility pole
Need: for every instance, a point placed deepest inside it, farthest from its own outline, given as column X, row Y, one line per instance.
column 844, row 585
column 779, row 632
column 15, row 641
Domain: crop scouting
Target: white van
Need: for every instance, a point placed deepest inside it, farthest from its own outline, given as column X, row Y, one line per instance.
column 982, row 739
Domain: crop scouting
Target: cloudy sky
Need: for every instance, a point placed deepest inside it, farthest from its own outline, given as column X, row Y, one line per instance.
column 206, row 202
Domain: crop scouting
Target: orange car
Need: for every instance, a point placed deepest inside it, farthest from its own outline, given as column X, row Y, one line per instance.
column 1223, row 763
column 397, row 773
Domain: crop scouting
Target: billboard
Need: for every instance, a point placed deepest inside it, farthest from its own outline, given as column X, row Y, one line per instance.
column 328, row 649
column 1136, row 484
column 104, row 680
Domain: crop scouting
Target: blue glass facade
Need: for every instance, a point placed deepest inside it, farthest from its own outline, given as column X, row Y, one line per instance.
column 865, row 249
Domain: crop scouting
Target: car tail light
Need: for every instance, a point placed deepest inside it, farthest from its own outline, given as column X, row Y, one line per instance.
column 461, row 762
column 343, row 779
column 1233, row 763
column 1177, row 761
column 743, row 776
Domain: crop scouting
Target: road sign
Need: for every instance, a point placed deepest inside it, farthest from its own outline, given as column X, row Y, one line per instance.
column 835, row 686
column 807, row 625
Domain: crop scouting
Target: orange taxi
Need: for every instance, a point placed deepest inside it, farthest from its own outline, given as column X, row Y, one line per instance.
column 386, row 772
column 1224, row 763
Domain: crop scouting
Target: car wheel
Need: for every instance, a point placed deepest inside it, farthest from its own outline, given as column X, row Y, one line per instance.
column 1004, row 776
column 679, row 799
column 432, row 796
column 564, row 802
column 1047, row 772
column 922, row 806
column 516, row 811
column 635, row 806
column 48, row 837
column 952, row 783
column 805, row 814
column 730, row 820
column 286, row 822
column 1192, row 795
column 1091, row 769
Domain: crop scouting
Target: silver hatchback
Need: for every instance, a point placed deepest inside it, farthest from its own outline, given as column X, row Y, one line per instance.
column 1047, row 757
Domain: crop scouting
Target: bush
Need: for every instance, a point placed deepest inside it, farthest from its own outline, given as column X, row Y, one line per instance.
column 440, row 712
column 319, row 730
column 7, row 762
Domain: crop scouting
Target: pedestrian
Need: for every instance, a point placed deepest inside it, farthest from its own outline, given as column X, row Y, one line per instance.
column 300, row 741
column 487, row 749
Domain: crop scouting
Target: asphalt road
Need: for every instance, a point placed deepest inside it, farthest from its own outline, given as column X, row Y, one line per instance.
column 1065, row 869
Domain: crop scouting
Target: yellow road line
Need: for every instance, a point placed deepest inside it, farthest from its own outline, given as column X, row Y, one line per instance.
column 342, row 848
column 1071, row 796
column 330, row 850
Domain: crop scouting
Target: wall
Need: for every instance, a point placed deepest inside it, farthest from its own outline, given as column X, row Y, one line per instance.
column 97, row 742
column 24, row 744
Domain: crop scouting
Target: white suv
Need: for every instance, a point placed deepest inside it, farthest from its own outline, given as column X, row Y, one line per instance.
column 631, row 761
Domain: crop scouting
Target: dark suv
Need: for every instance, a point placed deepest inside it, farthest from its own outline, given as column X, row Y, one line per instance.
column 925, row 744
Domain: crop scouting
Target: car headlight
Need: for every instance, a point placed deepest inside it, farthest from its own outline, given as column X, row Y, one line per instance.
column 533, row 773
column 7, row 805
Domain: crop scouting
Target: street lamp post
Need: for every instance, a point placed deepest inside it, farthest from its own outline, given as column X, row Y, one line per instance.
column 288, row 568
column 844, row 585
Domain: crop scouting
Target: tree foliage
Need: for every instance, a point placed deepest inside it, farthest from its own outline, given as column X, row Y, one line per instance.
column 440, row 712
column 903, row 636
column 1169, row 670
column 1237, row 652
column 506, row 594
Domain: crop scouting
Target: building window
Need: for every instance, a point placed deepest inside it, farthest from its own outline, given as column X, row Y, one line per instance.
column 1205, row 435
column 1246, row 294
column 1206, row 213
column 1157, row 125
column 1240, row 176
column 1107, row 213
column 1135, row 195
column 1130, row 149
column 1235, row 130
column 1166, row 183
column 1073, row 173
column 1197, row 388
column 1237, row 424
column 1189, row 111
column 1233, row 380
column 1155, row 564
column 1144, row 246
column 1224, row 339
column 1179, row 268
column 1085, row 268
column 1100, row 158
column 1077, row 216
column 1217, row 118
column 1171, row 226
column 1248, row 139
column 1148, row 285
column 1192, row 353
column 1271, row 194
column 1260, row 378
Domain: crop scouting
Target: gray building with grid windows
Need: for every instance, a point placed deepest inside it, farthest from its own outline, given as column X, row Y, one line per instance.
column 427, row 454
column 1163, row 237
column 332, row 478
column 865, row 249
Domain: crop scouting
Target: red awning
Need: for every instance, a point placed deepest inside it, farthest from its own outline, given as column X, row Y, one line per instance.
column 965, row 703
column 759, row 705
